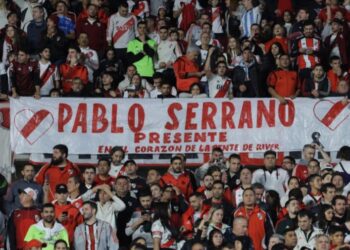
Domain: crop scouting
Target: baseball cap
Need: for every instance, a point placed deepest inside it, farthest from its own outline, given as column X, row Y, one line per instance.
column 61, row 189
column 34, row 243
column 29, row 191
column 326, row 166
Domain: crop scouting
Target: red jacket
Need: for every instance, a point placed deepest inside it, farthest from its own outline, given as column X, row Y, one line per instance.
column 110, row 181
column 19, row 222
column 183, row 182
column 74, row 218
column 227, row 194
column 68, row 73
column 182, row 66
column 187, row 220
column 94, row 31
column 55, row 175
column 259, row 226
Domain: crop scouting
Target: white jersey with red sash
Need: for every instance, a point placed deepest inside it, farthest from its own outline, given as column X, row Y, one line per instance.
column 219, row 87
column 141, row 10
column 117, row 170
column 308, row 61
column 48, row 76
column 164, row 234
column 121, row 30
column 216, row 20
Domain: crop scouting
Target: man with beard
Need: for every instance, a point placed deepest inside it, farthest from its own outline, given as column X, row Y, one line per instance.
column 93, row 233
column 195, row 212
column 339, row 206
column 141, row 219
column 47, row 230
column 219, row 200
column 58, row 171
column 206, row 188
column 122, row 190
column 177, row 177
column 290, row 219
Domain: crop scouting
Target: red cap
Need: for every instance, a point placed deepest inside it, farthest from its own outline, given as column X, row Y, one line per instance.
column 34, row 243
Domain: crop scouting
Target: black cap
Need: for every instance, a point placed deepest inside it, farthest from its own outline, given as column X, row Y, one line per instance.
column 61, row 189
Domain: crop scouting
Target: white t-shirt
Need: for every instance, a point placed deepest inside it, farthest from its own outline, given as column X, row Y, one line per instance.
column 121, row 30
column 51, row 75
column 219, row 87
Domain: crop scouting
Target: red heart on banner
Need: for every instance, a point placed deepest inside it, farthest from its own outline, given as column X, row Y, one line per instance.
column 331, row 114
column 28, row 125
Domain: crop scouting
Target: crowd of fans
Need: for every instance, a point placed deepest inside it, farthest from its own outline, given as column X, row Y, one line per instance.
column 187, row 49
column 174, row 48
column 222, row 205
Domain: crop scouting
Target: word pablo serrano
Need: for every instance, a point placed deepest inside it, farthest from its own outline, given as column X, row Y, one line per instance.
column 192, row 116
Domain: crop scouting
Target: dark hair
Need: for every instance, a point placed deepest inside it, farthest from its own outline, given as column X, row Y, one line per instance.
column 54, row 90
column 157, row 75
column 132, row 162
column 48, row 205
column 104, row 159
column 196, row 84
column 313, row 177
column 338, row 197
column 293, row 178
column 197, row 195
column 174, row 158
column 90, row 167
column 219, row 182
column 74, row 47
column 92, row 204
column 211, row 235
column 305, row 213
column 326, row 186
column 308, row 23
column 60, row 241
column 217, row 149
column 296, row 193
column 121, row 177
column 290, row 157
column 213, row 169
column 11, row 13
column 161, row 214
column 124, row 4
column 335, row 229
column 62, row 148
column 258, row 185
column 315, row 160
column 270, row 152
column 322, row 222
column 333, row 58
column 141, row 23
column 344, row 153
column 144, row 193
column 115, row 149
column 234, row 156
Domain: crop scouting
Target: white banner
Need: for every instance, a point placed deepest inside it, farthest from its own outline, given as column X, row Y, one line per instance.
column 93, row 126
column 5, row 156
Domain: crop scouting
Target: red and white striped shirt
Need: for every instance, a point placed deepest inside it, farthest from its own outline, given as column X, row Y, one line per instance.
column 305, row 60
column 121, row 30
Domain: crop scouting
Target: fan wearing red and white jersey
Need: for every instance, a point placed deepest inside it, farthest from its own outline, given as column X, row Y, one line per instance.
column 140, row 9
column 49, row 76
column 121, row 29
column 220, row 86
column 216, row 19
column 183, row 10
